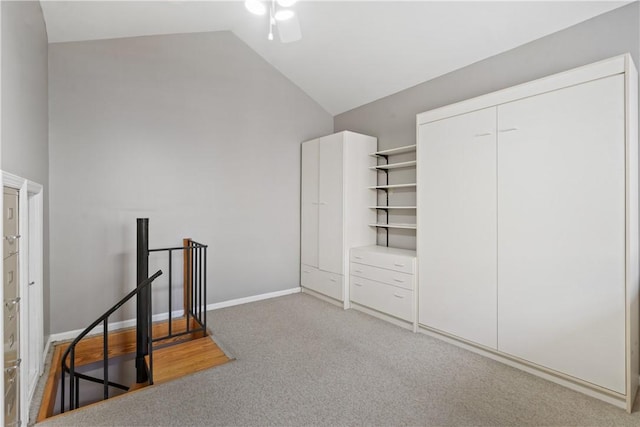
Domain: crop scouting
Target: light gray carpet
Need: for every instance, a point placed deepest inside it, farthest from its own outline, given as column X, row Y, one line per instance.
column 300, row 361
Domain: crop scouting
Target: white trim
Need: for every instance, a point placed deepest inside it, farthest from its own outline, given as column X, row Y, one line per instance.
column 631, row 231
column 11, row 180
column 245, row 300
column 607, row 67
column 34, row 187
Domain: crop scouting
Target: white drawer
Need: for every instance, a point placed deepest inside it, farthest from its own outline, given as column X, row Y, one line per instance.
column 391, row 277
column 404, row 264
column 391, row 300
column 329, row 284
column 308, row 275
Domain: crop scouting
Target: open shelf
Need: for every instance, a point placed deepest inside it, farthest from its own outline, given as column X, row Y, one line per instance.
column 392, row 207
column 389, row 187
column 393, row 151
column 394, row 165
column 405, row 226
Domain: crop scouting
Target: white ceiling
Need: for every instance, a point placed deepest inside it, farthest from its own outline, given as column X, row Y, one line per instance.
column 351, row 52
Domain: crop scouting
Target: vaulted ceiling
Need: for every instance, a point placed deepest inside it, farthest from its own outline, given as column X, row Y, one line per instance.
column 351, row 52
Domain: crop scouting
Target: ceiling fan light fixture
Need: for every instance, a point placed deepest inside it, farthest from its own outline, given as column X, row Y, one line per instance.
column 283, row 15
column 287, row 3
column 255, row 6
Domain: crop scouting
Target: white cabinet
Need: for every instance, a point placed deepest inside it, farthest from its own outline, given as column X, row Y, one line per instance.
column 528, row 226
column 561, row 240
column 383, row 279
column 335, row 209
column 458, row 258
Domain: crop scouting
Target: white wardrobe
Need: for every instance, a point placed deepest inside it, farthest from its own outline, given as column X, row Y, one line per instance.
column 335, row 209
column 528, row 226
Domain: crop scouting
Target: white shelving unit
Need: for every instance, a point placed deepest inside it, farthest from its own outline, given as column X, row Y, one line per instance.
column 387, row 168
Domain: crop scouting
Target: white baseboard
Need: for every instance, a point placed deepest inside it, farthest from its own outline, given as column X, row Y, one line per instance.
column 239, row 301
column 114, row 326
column 63, row 336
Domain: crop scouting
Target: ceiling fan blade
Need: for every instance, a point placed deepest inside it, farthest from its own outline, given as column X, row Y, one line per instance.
column 289, row 30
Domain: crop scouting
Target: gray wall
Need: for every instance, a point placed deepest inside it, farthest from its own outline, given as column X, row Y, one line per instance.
column 393, row 119
column 24, row 106
column 194, row 131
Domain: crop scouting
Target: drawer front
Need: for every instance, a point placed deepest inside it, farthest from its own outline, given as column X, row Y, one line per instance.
column 329, row 284
column 308, row 275
column 399, row 263
column 391, row 277
column 397, row 302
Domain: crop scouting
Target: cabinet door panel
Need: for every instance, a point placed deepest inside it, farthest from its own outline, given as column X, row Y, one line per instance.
column 561, row 231
column 309, row 203
column 330, row 256
column 457, row 229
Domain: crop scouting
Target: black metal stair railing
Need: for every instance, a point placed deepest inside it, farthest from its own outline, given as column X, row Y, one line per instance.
column 195, row 299
column 70, row 369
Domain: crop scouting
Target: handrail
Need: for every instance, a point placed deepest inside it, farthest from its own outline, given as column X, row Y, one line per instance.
column 71, row 349
column 194, row 287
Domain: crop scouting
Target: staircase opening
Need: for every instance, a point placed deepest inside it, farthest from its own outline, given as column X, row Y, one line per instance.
column 163, row 345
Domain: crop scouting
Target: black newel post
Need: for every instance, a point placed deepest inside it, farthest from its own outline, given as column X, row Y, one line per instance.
column 142, row 303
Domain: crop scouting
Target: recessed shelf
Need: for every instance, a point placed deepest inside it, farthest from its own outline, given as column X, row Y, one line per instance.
column 405, row 226
column 392, row 207
column 393, row 151
column 386, row 187
column 394, row 165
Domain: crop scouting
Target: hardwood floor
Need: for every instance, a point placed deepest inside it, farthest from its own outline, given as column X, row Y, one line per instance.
column 174, row 362
column 172, row 358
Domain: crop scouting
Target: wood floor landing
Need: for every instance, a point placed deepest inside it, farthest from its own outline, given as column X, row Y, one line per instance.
column 174, row 362
column 172, row 359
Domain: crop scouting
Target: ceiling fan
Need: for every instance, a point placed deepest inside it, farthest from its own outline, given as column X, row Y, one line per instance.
column 280, row 16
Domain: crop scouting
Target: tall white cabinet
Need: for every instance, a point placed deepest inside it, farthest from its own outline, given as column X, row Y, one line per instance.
column 335, row 208
column 528, row 226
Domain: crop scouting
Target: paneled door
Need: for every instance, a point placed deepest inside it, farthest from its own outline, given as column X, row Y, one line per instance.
column 330, row 255
column 310, row 188
column 561, row 231
column 457, row 226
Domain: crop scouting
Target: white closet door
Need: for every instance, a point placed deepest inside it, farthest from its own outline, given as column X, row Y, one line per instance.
column 310, row 188
column 561, row 231
column 457, row 229
column 331, row 218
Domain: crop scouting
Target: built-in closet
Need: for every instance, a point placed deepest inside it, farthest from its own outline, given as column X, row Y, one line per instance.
column 528, row 226
column 336, row 212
